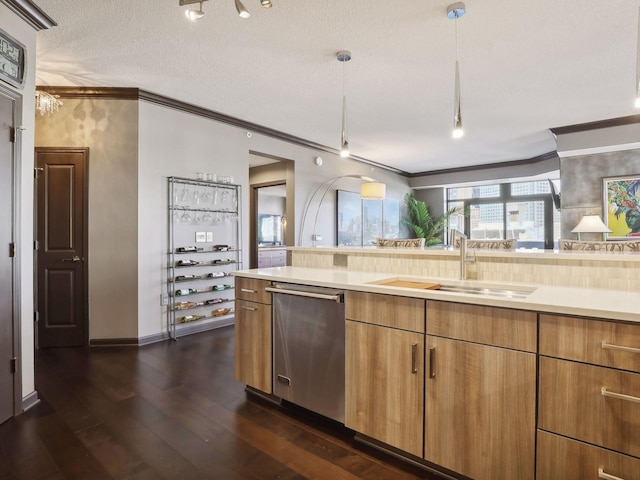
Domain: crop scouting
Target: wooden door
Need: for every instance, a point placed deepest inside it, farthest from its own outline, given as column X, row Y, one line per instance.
column 62, row 246
column 384, row 377
column 6, row 260
column 480, row 410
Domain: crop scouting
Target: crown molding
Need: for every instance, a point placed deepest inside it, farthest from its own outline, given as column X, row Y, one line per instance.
column 30, row 13
column 582, row 127
column 116, row 93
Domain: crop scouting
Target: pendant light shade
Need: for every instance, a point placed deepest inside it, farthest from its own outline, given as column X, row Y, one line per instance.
column 455, row 11
column 193, row 14
column 343, row 57
column 373, row 191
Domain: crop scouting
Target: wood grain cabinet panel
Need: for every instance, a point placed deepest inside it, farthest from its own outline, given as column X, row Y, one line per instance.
column 480, row 409
column 573, row 403
column 502, row 327
column 610, row 344
column 387, row 310
column 253, row 345
column 560, row 458
column 252, row 290
column 385, row 385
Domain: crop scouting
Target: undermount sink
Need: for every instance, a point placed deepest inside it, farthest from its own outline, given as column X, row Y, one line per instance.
column 511, row 292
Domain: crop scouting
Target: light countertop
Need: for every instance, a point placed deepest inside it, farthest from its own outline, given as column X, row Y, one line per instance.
column 589, row 302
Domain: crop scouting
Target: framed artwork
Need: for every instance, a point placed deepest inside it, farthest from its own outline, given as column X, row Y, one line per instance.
column 371, row 221
column 390, row 218
column 349, row 219
column 622, row 206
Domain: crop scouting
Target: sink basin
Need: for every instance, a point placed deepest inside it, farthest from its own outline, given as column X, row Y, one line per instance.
column 511, row 292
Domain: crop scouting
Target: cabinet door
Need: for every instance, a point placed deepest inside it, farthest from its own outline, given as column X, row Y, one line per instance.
column 385, row 385
column 253, row 364
column 480, row 409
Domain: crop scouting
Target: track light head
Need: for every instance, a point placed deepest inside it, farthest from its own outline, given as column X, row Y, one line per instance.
column 241, row 9
column 266, row 3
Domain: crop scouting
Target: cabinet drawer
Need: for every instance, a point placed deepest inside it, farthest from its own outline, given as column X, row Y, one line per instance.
column 594, row 404
column 592, row 341
column 500, row 327
column 560, row 458
column 386, row 310
column 252, row 290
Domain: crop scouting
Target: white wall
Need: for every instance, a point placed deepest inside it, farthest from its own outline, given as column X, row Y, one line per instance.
column 25, row 34
column 109, row 129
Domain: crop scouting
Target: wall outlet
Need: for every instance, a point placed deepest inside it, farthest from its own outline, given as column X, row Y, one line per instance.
column 317, row 238
column 209, row 236
column 201, row 237
column 164, row 299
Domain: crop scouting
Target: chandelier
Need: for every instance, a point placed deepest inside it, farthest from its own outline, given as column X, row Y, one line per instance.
column 46, row 103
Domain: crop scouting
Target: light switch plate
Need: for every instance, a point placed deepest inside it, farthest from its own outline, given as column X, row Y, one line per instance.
column 201, row 237
column 209, row 236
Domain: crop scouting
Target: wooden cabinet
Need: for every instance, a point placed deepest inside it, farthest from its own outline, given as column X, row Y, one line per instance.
column 253, row 334
column 589, row 390
column 480, row 398
column 561, row 458
column 384, row 373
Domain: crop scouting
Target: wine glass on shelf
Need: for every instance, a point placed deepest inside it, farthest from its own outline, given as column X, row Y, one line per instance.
column 185, row 195
column 185, row 218
column 206, row 195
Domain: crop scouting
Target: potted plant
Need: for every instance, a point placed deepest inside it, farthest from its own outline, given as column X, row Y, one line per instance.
column 422, row 221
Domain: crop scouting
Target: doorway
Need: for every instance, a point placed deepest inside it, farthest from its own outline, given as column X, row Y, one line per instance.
column 9, row 271
column 62, row 239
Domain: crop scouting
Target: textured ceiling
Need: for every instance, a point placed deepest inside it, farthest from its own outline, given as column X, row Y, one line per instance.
column 525, row 67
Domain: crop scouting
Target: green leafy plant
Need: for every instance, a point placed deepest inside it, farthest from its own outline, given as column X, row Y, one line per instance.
column 422, row 221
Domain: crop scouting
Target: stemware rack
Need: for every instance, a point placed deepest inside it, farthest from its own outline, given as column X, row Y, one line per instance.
column 204, row 219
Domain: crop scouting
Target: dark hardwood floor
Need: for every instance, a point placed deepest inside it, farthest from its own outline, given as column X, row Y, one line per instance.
column 172, row 410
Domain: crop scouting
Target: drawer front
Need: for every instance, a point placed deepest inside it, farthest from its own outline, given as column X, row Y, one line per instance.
column 560, row 458
column 592, row 341
column 279, row 258
column 500, row 327
column 386, row 310
column 589, row 403
column 252, row 290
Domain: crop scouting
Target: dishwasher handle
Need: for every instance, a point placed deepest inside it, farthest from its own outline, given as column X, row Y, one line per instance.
column 301, row 293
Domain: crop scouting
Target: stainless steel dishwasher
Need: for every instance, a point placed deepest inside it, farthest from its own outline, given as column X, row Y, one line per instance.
column 308, row 347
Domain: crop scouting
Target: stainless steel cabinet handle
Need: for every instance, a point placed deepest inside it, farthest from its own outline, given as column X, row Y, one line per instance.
column 619, row 396
column 602, row 474
column 74, row 259
column 414, row 355
column 322, row 296
column 251, row 309
column 247, row 290
column 620, row 347
column 432, row 362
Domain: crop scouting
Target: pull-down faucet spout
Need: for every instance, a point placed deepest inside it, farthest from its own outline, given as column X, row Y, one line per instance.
column 464, row 260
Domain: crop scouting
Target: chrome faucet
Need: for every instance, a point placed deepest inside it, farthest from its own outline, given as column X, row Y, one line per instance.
column 464, row 260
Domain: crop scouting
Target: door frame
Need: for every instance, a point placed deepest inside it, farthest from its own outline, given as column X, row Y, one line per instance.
column 85, row 235
column 16, row 191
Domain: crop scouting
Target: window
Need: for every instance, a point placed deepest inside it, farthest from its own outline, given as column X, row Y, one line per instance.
column 522, row 211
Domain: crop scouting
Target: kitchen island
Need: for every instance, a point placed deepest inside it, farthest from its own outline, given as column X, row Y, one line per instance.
column 452, row 378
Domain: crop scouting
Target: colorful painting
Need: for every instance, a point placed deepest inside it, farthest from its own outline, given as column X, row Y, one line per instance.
column 622, row 206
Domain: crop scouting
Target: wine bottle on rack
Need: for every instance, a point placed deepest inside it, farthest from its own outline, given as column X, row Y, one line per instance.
column 220, row 261
column 190, row 318
column 186, row 291
column 182, row 278
column 184, row 305
column 221, row 248
column 189, row 249
column 216, row 275
column 214, row 301
column 188, row 263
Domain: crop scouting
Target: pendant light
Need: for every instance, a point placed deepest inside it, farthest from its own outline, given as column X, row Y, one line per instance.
column 455, row 11
column 344, row 56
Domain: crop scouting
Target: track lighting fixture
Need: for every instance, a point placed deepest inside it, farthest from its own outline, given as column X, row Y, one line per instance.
column 344, row 56
column 197, row 14
column 193, row 14
column 455, row 11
